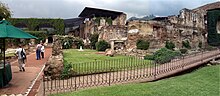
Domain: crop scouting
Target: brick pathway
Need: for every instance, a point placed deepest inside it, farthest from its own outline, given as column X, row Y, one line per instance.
column 21, row 81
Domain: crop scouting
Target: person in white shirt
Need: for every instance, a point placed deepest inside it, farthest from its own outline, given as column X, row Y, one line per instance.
column 20, row 53
column 38, row 51
column 42, row 50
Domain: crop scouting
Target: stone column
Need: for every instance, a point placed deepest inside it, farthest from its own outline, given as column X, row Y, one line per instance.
column 112, row 44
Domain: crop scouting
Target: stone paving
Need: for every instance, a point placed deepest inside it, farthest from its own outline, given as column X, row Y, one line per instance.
column 22, row 82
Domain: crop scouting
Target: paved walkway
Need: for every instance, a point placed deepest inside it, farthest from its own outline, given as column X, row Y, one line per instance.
column 21, row 81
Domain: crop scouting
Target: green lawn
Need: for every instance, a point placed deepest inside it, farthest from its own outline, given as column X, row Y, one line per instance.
column 202, row 82
column 75, row 56
column 88, row 61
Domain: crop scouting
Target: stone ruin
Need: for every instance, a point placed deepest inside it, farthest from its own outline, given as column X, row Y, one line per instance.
column 54, row 65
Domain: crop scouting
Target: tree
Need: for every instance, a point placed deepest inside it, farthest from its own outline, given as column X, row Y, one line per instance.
column 4, row 11
column 94, row 39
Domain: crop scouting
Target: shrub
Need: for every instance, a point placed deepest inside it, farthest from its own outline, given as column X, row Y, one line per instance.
column 186, row 44
column 170, row 45
column 94, row 39
column 142, row 44
column 200, row 44
column 67, row 70
column 149, row 57
column 78, row 43
column 165, row 55
column 67, row 43
column 102, row 45
column 183, row 51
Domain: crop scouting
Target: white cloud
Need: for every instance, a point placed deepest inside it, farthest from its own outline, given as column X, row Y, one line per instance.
column 72, row 8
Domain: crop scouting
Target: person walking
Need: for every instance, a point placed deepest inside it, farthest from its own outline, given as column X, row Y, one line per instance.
column 21, row 54
column 38, row 51
column 42, row 50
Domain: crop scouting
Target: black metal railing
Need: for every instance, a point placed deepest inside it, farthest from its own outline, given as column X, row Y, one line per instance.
column 106, row 73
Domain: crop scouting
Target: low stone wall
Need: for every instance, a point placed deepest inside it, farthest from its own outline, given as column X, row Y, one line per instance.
column 133, row 52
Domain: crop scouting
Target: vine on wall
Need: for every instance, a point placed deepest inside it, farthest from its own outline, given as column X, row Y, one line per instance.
column 33, row 23
column 212, row 18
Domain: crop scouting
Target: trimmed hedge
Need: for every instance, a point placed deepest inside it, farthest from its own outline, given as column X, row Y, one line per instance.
column 163, row 55
column 102, row 45
column 142, row 44
column 170, row 45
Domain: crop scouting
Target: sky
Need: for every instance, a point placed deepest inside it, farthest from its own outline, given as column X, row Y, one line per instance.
column 71, row 8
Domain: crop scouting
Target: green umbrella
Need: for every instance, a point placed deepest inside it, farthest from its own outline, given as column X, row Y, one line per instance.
column 9, row 31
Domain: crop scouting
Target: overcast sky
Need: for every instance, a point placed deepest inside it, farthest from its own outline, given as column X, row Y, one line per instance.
column 72, row 8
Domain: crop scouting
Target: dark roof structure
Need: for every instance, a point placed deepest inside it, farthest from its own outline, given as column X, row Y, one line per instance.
column 73, row 22
column 160, row 18
column 95, row 12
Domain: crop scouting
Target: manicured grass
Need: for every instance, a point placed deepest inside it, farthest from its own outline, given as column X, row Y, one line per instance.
column 202, row 82
column 88, row 61
column 75, row 56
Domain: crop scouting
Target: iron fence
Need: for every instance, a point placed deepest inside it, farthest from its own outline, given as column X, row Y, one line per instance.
column 106, row 73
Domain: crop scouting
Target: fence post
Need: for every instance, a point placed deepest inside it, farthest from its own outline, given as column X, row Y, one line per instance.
column 183, row 62
column 109, row 83
column 155, row 70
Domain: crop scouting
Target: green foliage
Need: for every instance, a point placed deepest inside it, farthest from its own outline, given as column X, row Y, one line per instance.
column 97, row 20
column 142, row 44
column 94, row 39
column 67, row 42
column 33, row 23
column 186, row 44
column 170, row 45
column 102, row 45
column 41, row 35
column 200, row 44
column 4, row 11
column 109, row 21
column 183, row 51
column 213, row 36
column 163, row 55
column 67, row 71
column 78, row 42
column 71, row 42
column 149, row 57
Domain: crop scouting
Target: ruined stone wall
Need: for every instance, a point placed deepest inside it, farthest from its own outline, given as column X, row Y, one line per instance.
column 152, row 31
column 112, row 32
column 120, row 20
column 187, row 26
column 190, row 18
